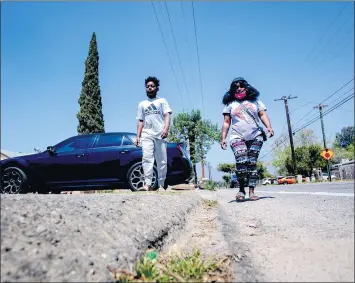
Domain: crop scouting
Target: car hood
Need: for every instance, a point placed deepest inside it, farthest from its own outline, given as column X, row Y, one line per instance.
column 23, row 157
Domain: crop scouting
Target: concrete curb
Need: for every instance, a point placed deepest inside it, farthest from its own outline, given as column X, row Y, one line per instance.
column 77, row 237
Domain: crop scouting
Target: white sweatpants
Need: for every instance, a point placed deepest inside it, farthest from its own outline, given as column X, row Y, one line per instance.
column 154, row 148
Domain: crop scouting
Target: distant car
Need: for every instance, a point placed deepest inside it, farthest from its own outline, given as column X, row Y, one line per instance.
column 289, row 180
column 268, row 181
column 325, row 177
column 88, row 162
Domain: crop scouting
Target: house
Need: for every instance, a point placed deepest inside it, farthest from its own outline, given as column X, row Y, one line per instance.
column 5, row 154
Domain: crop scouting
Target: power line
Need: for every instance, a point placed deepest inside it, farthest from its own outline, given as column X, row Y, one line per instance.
column 293, row 110
column 198, row 55
column 177, row 51
column 185, row 26
column 311, row 122
column 337, row 91
column 337, row 17
column 333, row 37
column 323, row 101
column 331, row 102
column 167, row 50
column 325, row 113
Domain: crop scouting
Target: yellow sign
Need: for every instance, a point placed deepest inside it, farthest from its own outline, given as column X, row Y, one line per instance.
column 327, row 153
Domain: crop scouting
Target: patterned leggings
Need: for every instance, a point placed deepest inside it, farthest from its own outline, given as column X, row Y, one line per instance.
column 246, row 155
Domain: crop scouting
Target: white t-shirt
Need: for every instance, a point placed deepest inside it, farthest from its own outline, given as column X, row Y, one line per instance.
column 151, row 111
column 242, row 125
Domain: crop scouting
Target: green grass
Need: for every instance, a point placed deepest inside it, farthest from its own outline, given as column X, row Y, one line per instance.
column 210, row 203
column 188, row 268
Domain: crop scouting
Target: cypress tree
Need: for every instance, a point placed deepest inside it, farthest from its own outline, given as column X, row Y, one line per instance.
column 91, row 119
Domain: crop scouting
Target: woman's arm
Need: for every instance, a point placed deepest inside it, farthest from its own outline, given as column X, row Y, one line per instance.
column 225, row 129
column 266, row 121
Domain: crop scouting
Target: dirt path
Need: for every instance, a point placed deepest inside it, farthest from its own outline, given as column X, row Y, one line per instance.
column 203, row 231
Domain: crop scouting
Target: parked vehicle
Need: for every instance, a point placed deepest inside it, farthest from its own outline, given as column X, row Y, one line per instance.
column 269, row 181
column 288, row 180
column 325, row 177
column 87, row 162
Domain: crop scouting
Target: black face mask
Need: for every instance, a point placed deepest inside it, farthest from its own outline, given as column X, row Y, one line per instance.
column 151, row 94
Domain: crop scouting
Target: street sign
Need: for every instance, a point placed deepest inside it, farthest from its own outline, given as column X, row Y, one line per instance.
column 327, row 153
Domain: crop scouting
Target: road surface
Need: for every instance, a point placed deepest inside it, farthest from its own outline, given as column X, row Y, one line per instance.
column 293, row 233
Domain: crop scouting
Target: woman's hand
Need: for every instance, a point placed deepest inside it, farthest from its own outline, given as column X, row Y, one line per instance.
column 224, row 144
column 270, row 132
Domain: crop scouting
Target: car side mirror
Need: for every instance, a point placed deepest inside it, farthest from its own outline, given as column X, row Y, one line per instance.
column 51, row 150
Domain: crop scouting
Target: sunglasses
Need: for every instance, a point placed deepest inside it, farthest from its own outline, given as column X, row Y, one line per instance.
column 240, row 85
column 148, row 86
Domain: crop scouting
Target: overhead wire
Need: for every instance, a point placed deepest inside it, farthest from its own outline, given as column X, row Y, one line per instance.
column 329, row 27
column 198, row 56
column 177, row 52
column 325, row 113
column 167, row 50
column 303, row 117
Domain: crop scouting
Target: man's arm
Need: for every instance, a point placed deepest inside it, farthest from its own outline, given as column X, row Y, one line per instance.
column 167, row 118
column 139, row 131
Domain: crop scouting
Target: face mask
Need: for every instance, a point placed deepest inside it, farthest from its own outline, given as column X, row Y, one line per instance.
column 151, row 94
column 240, row 95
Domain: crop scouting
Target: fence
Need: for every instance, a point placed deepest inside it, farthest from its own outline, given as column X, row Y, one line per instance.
column 345, row 171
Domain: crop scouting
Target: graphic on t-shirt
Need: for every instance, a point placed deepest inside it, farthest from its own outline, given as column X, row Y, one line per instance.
column 240, row 112
column 151, row 109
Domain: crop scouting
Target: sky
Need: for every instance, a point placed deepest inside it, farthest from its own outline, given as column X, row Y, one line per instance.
column 303, row 49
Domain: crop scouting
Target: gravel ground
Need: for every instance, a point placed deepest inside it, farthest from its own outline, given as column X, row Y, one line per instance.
column 76, row 237
column 284, row 238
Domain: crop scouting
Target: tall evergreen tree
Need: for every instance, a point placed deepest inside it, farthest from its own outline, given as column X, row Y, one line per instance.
column 91, row 119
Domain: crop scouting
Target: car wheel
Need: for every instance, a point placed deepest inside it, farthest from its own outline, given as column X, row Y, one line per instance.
column 285, row 183
column 13, row 181
column 135, row 177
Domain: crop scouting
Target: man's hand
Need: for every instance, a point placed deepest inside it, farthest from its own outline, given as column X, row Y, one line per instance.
column 224, row 144
column 138, row 139
column 270, row 132
column 164, row 133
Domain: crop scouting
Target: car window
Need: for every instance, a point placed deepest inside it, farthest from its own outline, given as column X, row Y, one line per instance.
column 126, row 141
column 132, row 137
column 74, row 144
column 109, row 140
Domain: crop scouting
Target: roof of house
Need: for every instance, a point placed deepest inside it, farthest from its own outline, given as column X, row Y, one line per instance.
column 10, row 154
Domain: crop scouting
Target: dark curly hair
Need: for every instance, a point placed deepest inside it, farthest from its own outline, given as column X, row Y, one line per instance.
column 152, row 79
column 252, row 92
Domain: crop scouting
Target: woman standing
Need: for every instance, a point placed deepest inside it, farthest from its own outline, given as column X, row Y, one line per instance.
column 243, row 111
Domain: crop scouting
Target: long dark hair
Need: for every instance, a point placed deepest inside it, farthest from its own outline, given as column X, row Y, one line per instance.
column 252, row 92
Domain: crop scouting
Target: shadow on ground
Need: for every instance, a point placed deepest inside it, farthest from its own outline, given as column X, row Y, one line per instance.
column 247, row 199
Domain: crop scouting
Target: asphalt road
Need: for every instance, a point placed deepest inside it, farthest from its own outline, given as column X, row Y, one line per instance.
column 295, row 233
column 326, row 188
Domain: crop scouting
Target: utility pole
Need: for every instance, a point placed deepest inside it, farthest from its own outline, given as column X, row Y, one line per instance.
column 285, row 99
column 320, row 107
column 209, row 171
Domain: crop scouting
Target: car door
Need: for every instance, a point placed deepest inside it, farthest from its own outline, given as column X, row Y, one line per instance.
column 68, row 165
column 109, row 156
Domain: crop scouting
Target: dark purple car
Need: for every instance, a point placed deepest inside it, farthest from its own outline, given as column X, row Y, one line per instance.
column 88, row 162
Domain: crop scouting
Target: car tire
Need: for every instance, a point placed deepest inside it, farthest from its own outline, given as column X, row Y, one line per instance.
column 135, row 177
column 12, row 175
column 285, row 183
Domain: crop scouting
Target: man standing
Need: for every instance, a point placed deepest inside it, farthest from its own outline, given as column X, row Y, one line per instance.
column 152, row 130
